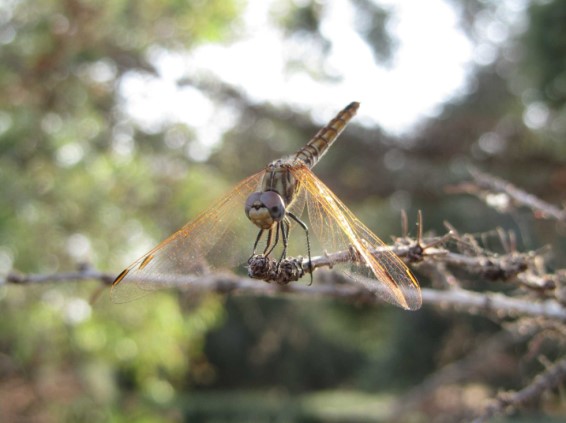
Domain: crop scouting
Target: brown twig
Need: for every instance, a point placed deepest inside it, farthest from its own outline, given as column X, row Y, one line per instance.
column 513, row 266
column 80, row 275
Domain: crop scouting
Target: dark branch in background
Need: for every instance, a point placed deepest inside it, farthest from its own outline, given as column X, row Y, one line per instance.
column 481, row 359
column 504, row 196
column 509, row 401
column 541, row 208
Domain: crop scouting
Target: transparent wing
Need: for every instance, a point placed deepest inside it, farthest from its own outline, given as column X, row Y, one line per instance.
column 337, row 229
column 219, row 238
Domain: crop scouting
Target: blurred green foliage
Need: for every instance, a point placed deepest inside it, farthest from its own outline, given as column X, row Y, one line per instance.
column 81, row 182
column 75, row 189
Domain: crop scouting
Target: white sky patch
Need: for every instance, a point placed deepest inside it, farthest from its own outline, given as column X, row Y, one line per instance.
column 158, row 101
column 429, row 67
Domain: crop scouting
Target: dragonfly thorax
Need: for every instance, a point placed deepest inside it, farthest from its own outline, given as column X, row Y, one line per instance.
column 265, row 209
column 279, row 177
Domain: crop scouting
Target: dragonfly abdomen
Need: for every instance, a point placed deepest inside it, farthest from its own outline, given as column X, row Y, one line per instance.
column 311, row 153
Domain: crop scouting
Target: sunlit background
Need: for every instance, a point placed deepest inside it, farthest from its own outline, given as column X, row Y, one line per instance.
column 396, row 92
column 122, row 120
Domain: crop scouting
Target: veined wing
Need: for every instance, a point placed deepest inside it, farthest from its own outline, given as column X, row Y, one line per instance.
column 337, row 229
column 219, row 238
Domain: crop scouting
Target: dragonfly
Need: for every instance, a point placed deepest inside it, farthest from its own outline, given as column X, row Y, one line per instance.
column 274, row 201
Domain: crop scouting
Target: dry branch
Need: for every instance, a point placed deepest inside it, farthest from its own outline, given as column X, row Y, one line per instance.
column 459, row 299
column 427, row 254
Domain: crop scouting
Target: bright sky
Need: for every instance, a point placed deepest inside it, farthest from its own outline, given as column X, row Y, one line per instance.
column 429, row 67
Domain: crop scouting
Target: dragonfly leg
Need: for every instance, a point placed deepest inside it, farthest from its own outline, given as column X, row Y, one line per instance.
column 268, row 241
column 269, row 248
column 258, row 238
column 285, row 235
column 306, row 229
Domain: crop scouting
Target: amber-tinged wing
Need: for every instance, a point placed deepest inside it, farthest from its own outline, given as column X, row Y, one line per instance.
column 337, row 229
column 219, row 238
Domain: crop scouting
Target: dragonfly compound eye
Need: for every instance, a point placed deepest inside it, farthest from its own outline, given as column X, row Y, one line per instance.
column 274, row 203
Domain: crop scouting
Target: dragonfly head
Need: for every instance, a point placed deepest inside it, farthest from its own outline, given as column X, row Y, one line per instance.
column 265, row 209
